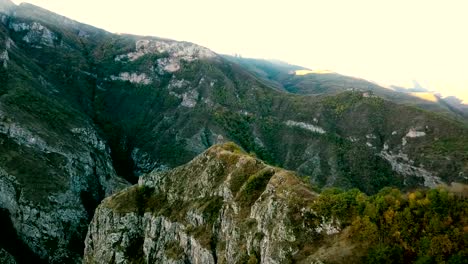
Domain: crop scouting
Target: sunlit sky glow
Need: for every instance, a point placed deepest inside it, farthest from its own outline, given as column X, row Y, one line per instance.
column 390, row 42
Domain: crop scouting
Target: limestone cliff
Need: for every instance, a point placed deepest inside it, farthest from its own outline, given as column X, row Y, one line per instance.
column 223, row 207
column 49, row 186
column 55, row 166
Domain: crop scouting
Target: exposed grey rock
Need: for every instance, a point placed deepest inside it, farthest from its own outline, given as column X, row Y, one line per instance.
column 402, row 164
column 413, row 133
column 168, row 65
column 126, row 229
column 180, row 50
column 306, row 126
column 189, row 99
column 48, row 212
column 132, row 77
column 175, row 52
column 36, row 33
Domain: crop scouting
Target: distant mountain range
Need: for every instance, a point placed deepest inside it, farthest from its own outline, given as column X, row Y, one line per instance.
column 300, row 80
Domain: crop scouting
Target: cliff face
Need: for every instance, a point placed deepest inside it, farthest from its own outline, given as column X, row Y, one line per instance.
column 48, row 190
column 222, row 207
column 51, row 179
column 54, row 166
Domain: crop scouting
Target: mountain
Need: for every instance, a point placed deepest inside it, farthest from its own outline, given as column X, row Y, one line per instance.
column 271, row 72
column 84, row 113
column 55, row 167
column 299, row 80
column 195, row 212
column 228, row 207
column 457, row 103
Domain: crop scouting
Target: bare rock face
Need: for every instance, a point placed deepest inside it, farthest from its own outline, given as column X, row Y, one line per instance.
column 54, row 166
column 35, row 33
column 222, row 207
column 180, row 50
column 175, row 51
column 132, row 77
column 50, row 184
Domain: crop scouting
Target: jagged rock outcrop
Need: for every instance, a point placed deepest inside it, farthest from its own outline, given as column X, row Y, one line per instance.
column 49, row 189
column 223, row 207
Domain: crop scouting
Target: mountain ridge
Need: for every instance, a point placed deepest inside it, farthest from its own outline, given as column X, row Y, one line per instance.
column 285, row 78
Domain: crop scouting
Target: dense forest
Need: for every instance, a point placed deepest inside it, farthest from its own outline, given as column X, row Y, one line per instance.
column 423, row 226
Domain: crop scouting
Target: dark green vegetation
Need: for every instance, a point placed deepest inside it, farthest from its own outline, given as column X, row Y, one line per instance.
column 254, row 186
column 423, row 226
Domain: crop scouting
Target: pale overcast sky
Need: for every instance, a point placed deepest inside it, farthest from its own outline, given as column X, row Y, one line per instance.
column 391, row 42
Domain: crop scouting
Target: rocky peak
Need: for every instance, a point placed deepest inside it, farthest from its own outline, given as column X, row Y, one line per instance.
column 174, row 50
column 224, row 206
column 182, row 50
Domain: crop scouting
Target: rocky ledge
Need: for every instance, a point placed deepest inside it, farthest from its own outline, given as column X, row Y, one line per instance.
column 223, row 207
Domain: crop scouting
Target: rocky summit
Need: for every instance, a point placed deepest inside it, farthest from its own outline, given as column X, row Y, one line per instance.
column 222, row 207
column 85, row 113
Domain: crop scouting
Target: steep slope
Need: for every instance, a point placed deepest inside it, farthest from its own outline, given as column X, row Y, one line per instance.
column 228, row 207
column 222, row 207
column 54, row 166
column 455, row 104
column 271, row 72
